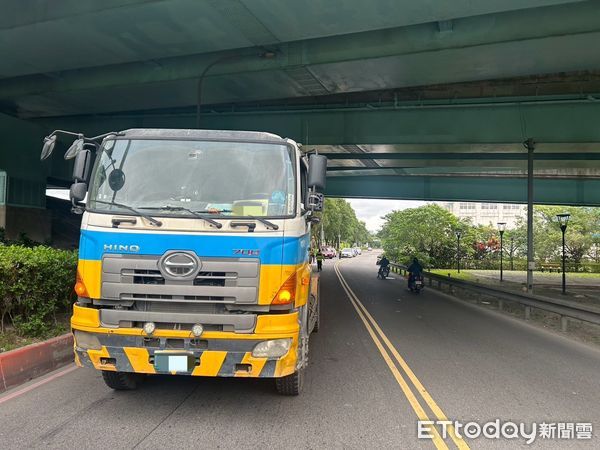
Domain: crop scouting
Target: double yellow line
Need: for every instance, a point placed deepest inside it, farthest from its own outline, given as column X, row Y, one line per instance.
column 379, row 338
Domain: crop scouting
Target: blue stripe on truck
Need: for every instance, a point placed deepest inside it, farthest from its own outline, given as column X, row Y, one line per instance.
column 271, row 250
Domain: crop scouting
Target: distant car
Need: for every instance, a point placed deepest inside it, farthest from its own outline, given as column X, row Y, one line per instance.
column 369, row 249
column 328, row 253
column 347, row 253
column 358, row 250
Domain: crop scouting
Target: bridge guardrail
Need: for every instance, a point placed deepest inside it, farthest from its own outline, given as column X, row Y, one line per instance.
column 565, row 309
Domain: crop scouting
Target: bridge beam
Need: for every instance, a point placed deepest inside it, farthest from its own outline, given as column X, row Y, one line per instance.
column 566, row 28
column 577, row 192
column 567, row 121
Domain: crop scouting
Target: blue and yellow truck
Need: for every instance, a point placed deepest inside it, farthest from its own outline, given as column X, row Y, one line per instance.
column 194, row 254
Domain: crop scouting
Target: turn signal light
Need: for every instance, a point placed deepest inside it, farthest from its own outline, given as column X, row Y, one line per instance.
column 284, row 297
column 80, row 288
column 287, row 292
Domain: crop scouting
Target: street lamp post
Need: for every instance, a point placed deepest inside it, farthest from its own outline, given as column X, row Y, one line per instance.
column 458, row 234
column 563, row 220
column 501, row 228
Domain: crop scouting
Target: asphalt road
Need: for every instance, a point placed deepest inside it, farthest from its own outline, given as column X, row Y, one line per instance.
column 442, row 359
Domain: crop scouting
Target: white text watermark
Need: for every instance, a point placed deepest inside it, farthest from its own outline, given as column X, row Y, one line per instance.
column 498, row 429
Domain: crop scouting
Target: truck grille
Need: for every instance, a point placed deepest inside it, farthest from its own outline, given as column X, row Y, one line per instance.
column 177, row 306
column 221, row 281
column 142, row 276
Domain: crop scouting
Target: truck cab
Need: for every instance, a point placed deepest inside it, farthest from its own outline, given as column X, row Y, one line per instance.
column 194, row 255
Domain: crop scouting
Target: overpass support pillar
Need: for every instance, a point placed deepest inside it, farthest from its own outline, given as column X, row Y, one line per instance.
column 22, row 181
column 530, row 146
column 32, row 223
column 22, row 209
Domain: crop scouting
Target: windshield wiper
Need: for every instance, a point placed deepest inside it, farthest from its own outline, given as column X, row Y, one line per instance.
column 214, row 211
column 152, row 220
column 271, row 225
column 181, row 208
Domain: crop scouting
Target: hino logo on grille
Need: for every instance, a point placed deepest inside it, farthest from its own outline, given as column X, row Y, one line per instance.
column 179, row 265
column 121, row 248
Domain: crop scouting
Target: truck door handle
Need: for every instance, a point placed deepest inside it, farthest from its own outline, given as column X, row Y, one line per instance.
column 251, row 225
column 116, row 221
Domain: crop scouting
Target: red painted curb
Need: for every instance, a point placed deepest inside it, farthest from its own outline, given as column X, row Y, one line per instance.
column 22, row 364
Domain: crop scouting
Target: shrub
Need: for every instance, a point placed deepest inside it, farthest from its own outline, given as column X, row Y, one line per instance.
column 36, row 283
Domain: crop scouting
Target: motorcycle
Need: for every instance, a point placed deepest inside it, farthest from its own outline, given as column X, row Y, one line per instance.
column 383, row 272
column 415, row 283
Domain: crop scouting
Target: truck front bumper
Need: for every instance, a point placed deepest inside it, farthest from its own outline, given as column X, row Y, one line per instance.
column 214, row 353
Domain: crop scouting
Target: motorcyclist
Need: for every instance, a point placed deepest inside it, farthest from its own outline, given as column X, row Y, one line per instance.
column 415, row 269
column 383, row 263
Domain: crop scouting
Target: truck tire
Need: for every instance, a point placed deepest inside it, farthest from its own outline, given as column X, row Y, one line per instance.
column 120, row 381
column 290, row 384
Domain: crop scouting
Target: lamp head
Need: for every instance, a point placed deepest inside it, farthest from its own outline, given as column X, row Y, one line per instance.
column 563, row 219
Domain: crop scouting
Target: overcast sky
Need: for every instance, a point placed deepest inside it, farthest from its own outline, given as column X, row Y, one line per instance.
column 371, row 211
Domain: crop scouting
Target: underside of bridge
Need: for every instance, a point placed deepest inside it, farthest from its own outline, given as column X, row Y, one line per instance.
column 415, row 100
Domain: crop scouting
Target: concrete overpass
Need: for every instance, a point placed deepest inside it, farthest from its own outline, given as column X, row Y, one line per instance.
column 425, row 100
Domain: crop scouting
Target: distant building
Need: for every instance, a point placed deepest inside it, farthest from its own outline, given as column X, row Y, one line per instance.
column 486, row 213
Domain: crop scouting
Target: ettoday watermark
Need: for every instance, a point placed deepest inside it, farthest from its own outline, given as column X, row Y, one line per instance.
column 497, row 429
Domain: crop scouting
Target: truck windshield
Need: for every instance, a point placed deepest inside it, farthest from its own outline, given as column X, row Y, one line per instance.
column 222, row 178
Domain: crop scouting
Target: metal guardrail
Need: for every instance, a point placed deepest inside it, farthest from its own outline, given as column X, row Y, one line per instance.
column 565, row 309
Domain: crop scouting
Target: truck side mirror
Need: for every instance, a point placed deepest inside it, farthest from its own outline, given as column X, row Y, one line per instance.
column 317, row 171
column 81, row 168
column 74, row 149
column 49, row 143
column 77, row 192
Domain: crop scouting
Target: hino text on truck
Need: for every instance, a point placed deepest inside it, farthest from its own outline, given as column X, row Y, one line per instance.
column 194, row 254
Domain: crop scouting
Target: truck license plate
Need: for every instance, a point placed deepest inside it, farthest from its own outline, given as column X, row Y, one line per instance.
column 174, row 362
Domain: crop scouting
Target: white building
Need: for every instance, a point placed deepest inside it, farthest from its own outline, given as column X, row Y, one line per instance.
column 486, row 213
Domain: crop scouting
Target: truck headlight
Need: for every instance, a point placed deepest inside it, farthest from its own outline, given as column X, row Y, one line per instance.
column 197, row 330
column 272, row 349
column 87, row 341
column 149, row 328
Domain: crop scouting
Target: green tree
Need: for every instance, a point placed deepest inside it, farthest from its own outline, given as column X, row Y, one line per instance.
column 427, row 232
column 547, row 237
column 338, row 220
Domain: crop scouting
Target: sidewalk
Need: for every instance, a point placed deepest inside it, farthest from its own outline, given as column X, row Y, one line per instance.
column 582, row 289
